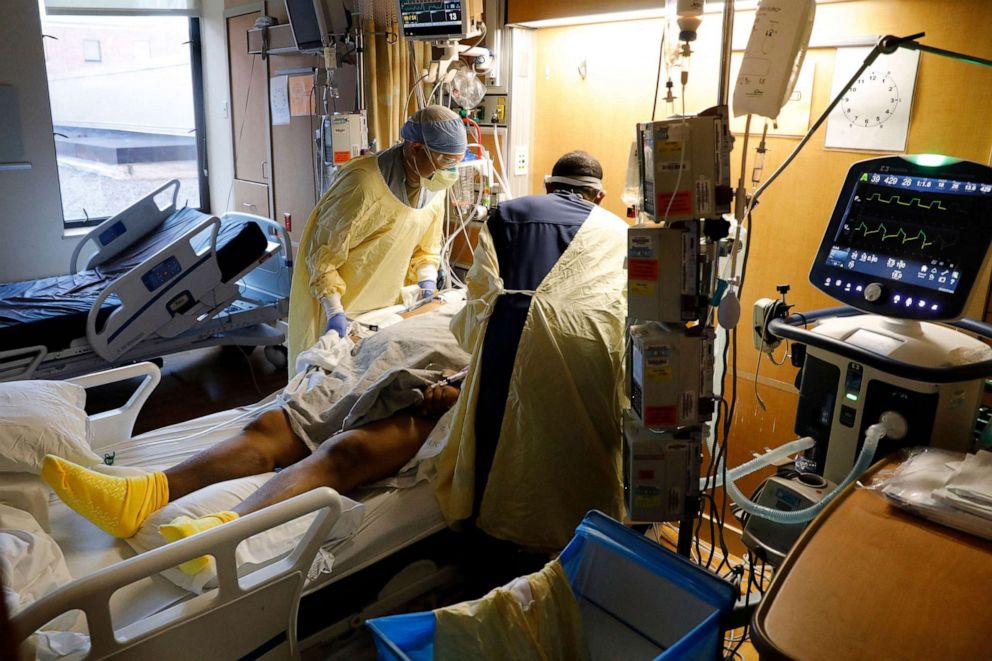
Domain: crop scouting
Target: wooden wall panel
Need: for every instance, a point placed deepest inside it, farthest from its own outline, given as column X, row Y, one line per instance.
column 598, row 113
column 519, row 11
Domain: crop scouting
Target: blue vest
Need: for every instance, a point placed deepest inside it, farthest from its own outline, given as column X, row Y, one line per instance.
column 529, row 235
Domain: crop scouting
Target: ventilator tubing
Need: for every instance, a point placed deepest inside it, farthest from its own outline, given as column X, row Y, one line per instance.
column 767, row 459
column 873, row 435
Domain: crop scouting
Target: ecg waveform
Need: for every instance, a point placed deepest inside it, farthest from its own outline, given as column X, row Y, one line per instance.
column 898, row 235
column 895, row 199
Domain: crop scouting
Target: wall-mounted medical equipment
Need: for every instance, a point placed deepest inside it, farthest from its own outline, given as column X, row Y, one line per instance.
column 907, row 239
column 774, row 56
column 442, row 20
column 685, row 166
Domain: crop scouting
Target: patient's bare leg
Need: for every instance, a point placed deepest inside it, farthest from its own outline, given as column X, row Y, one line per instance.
column 267, row 443
column 347, row 460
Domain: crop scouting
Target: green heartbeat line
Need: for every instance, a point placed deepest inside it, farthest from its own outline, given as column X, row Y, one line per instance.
column 900, row 232
column 895, row 198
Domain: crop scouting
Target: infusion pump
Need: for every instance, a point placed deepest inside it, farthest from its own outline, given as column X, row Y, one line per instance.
column 905, row 247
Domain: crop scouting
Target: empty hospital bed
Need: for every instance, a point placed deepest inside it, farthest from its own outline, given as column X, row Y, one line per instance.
column 160, row 279
column 399, row 551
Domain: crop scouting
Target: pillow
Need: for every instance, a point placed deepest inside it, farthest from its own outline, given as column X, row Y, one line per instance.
column 32, row 566
column 39, row 418
column 255, row 552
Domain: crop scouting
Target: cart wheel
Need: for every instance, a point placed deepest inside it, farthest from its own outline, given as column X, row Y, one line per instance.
column 276, row 354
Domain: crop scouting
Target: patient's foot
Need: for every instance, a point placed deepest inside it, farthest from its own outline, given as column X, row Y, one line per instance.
column 117, row 505
column 182, row 527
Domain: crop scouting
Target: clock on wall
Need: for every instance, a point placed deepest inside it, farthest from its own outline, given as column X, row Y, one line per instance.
column 872, row 100
column 874, row 114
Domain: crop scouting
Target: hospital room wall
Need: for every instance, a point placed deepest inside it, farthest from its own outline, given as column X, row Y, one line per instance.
column 31, row 241
column 949, row 116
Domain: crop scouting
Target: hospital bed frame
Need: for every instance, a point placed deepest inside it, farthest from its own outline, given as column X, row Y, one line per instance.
column 255, row 615
column 190, row 307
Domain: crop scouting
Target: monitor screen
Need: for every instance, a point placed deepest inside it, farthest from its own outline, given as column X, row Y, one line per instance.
column 918, row 235
column 306, row 27
column 432, row 20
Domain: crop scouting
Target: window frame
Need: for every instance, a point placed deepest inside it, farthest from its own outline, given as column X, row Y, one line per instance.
column 200, row 126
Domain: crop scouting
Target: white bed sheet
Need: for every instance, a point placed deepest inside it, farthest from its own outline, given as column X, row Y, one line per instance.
column 393, row 518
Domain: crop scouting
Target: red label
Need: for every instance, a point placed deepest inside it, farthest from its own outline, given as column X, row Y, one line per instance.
column 660, row 416
column 681, row 205
column 341, row 157
column 642, row 269
column 645, row 475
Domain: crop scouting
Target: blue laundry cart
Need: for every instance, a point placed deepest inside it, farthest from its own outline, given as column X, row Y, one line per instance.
column 637, row 601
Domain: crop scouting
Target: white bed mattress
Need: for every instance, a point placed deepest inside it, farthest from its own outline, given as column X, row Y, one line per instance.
column 393, row 518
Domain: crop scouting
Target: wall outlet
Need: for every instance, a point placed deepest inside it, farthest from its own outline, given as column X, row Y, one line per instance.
column 520, row 161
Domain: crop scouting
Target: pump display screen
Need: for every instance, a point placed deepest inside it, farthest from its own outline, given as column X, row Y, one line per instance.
column 916, row 235
column 431, row 19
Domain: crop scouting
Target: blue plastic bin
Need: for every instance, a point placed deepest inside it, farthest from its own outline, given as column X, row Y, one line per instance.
column 637, row 599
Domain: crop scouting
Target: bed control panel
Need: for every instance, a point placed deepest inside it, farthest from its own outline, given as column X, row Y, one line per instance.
column 108, row 235
column 162, row 273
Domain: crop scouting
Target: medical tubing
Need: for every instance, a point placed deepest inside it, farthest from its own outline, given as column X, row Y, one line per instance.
column 781, row 452
column 478, row 133
column 873, row 435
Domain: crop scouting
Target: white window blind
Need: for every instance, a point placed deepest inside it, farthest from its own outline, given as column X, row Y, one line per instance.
column 123, row 7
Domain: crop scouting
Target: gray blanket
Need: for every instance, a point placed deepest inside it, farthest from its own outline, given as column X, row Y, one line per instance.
column 348, row 387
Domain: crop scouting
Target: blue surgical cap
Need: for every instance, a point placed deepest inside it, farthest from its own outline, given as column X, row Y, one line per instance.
column 446, row 136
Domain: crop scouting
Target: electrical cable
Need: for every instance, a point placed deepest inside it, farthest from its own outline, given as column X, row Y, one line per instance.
column 413, row 89
column 678, row 179
column 657, row 78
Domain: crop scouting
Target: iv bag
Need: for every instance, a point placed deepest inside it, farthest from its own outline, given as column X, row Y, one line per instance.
column 466, row 89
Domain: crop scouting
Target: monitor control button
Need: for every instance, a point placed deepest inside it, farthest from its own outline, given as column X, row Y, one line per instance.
column 874, row 292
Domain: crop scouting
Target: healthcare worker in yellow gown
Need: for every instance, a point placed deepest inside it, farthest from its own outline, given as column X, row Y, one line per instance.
column 376, row 229
column 539, row 411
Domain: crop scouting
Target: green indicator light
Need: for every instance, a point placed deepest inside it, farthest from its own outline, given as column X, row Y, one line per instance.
column 931, row 160
column 852, row 397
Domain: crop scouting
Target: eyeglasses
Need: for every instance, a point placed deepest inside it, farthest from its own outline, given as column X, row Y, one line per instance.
column 448, row 161
column 443, row 160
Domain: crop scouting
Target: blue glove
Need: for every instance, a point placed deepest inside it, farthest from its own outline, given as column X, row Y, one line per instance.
column 337, row 323
column 427, row 288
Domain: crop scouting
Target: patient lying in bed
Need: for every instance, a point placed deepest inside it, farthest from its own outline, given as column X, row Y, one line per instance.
column 297, row 437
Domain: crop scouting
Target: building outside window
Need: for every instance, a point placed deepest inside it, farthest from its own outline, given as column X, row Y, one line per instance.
column 125, row 110
column 91, row 50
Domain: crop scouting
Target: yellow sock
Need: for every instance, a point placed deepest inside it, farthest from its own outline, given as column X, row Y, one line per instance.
column 182, row 527
column 117, row 505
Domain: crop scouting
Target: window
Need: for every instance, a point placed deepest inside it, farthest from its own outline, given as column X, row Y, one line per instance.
column 127, row 110
column 91, row 50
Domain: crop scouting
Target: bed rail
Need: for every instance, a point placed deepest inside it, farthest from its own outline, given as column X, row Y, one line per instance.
column 117, row 424
column 115, row 234
column 167, row 294
column 16, row 364
column 250, row 617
